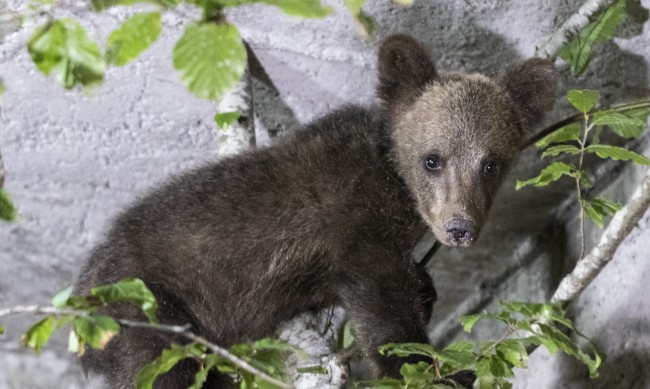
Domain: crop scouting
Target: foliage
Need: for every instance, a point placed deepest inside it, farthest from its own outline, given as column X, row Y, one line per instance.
column 528, row 324
column 63, row 47
column 576, row 139
column 136, row 35
column 88, row 327
column 266, row 355
column 366, row 23
column 578, row 51
column 225, row 119
column 7, row 210
column 210, row 56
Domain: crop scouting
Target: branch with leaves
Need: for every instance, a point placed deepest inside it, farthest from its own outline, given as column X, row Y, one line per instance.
column 595, row 21
column 255, row 363
column 578, row 140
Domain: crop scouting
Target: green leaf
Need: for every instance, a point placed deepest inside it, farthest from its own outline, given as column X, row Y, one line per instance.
column 100, row 5
column 600, row 207
column 95, row 330
column 551, row 173
column 513, row 351
column 202, row 375
column 457, row 356
column 569, row 347
column 469, row 321
column 164, row 363
column 74, row 345
column 134, row 36
column 366, row 23
column 2, row 87
column 608, row 118
column 585, row 181
column 416, row 375
column 584, row 100
column 62, row 47
column 301, row 8
column 211, row 59
column 484, row 374
column 578, row 54
column 570, row 132
column 604, row 27
column 132, row 290
column 500, row 367
column 7, row 210
column 406, row 349
column 611, row 207
column 560, row 149
column 618, row 154
column 224, row 119
column 38, row 335
column 631, row 126
column 2, row 330
column 346, row 336
column 60, row 300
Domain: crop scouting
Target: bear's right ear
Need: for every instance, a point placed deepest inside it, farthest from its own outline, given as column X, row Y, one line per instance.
column 531, row 84
column 405, row 67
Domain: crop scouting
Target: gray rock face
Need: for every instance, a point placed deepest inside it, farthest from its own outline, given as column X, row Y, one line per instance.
column 74, row 160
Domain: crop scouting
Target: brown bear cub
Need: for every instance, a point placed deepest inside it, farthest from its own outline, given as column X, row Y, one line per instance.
column 328, row 216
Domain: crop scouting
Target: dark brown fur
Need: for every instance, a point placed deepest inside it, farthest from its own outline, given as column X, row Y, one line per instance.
column 328, row 216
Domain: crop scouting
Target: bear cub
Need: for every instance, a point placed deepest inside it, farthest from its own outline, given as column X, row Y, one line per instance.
column 328, row 216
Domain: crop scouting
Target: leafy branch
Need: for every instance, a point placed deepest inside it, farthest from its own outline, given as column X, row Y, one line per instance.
column 596, row 21
column 492, row 360
column 262, row 360
column 576, row 139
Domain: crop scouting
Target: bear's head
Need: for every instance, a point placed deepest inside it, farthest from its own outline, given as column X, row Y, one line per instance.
column 455, row 136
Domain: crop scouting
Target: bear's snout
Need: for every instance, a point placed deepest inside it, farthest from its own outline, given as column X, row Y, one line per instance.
column 461, row 232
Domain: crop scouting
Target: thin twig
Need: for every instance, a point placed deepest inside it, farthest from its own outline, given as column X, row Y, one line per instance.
column 578, row 175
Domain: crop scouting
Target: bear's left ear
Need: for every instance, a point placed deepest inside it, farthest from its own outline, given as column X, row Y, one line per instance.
column 531, row 85
column 405, row 67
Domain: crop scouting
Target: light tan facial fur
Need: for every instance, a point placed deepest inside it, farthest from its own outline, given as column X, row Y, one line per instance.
column 464, row 120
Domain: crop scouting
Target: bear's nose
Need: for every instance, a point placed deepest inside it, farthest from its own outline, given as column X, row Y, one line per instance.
column 461, row 230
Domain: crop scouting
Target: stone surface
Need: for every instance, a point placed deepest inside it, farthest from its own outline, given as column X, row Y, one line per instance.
column 74, row 160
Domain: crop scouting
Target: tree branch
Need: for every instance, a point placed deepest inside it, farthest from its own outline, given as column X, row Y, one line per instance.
column 621, row 225
column 572, row 27
column 175, row 329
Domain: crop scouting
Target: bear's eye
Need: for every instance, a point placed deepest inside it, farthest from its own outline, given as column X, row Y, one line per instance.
column 432, row 162
column 491, row 168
